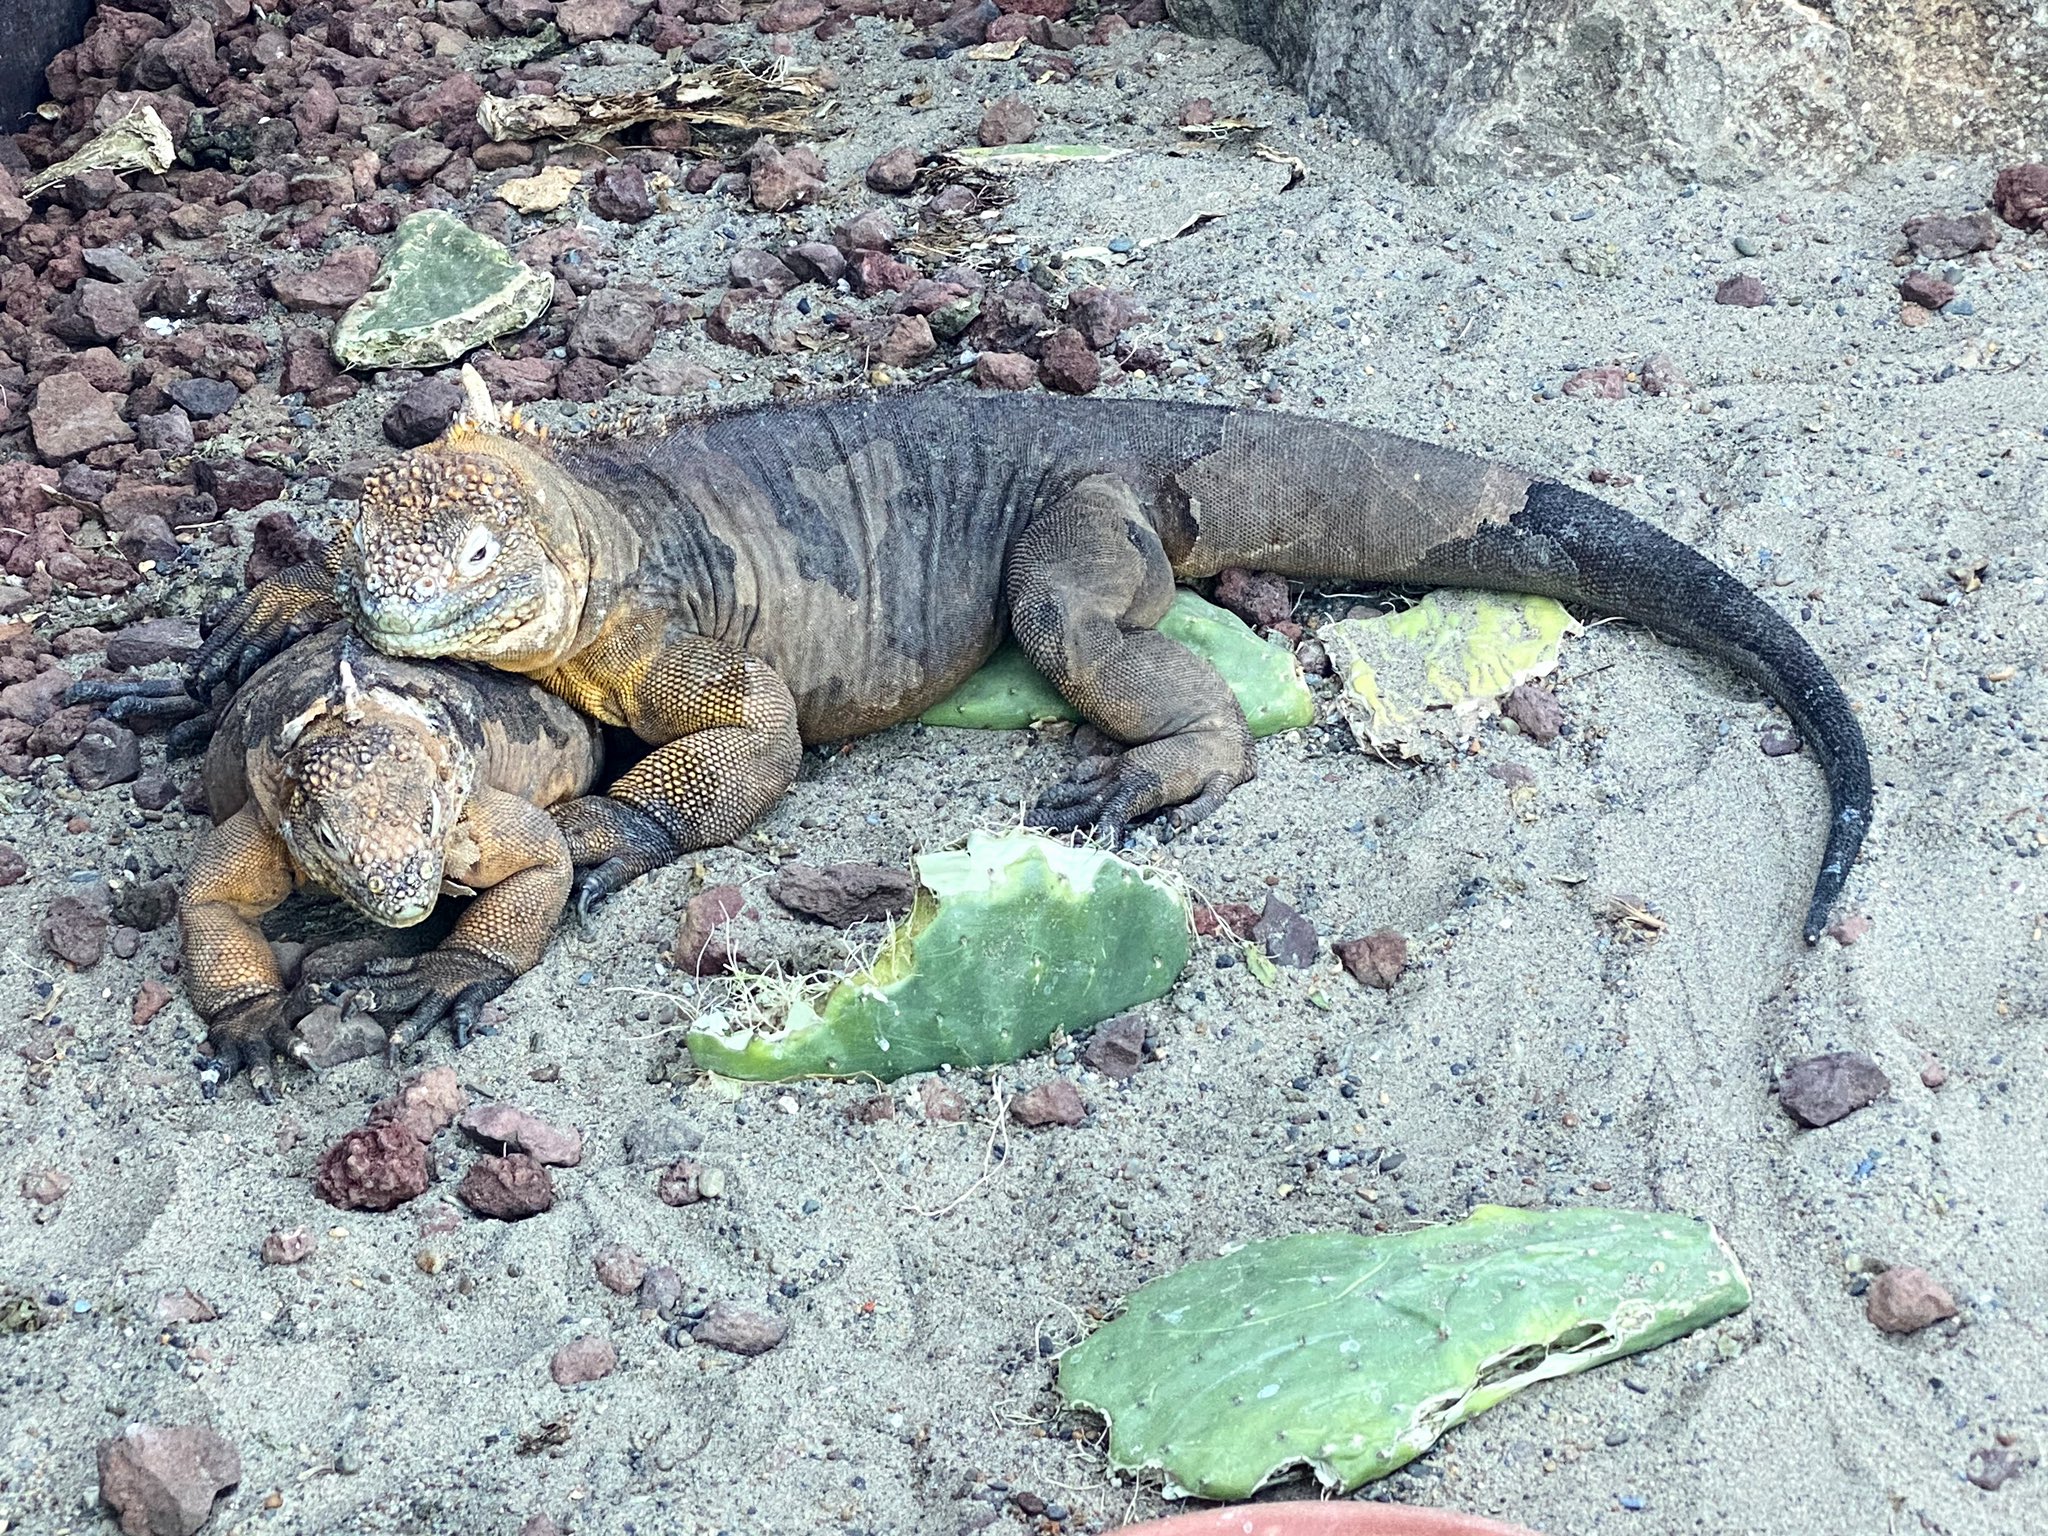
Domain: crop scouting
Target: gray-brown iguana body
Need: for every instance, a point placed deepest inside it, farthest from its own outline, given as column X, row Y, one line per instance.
column 738, row 584
column 383, row 781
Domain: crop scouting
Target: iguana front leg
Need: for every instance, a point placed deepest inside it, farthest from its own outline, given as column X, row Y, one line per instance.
column 240, row 871
column 267, row 618
column 521, row 873
column 729, row 748
column 1088, row 581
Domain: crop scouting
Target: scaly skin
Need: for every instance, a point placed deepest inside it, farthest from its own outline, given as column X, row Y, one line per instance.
column 383, row 782
column 741, row 583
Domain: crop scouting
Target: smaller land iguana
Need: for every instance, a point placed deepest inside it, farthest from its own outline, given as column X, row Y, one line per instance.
column 385, row 782
column 749, row 580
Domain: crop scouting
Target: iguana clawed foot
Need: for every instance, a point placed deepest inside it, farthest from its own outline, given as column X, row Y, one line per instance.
column 148, row 701
column 612, row 844
column 250, row 1036
column 1109, row 792
column 262, row 622
column 410, row 994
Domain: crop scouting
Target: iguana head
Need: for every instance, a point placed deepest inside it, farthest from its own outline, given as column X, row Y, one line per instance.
column 372, row 786
column 470, row 547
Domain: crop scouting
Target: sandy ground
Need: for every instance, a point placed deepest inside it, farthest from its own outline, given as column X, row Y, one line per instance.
column 1837, row 459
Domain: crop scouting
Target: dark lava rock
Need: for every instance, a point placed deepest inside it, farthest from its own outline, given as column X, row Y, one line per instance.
column 151, row 641
column 203, row 399
column 1258, row 597
column 74, row 931
column 424, row 411
column 613, row 328
column 815, row 261
column 1055, row 1103
column 1101, row 314
column 148, row 905
column 330, row 287
column 895, row 341
column 582, row 1360
column 1743, row 290
column 162, row 1479
column 1602, row 383
column 1659, row 375
column 845, row 894
column 424, row 1105
column 1822, row 1089
column 1066, row 363
column 512, row 1129
column 286, row 1245
column 1009, row 120
column 239, row 485
column 1288, row 937
column 661, row 1290
column 619, row 1268
column 620, row 192
column 1938, row 236
column 894, row 171
column 1005, row 370
column 740, row 1330
column 779, row 179
column 871, row 230
column 1233, row 919
column 1535, row 710
column 701, row 948
column 2020, row 195
column 1117, row 1048
column 1378, row 960
column 13, row 867
column 276, row 543
column 329, row 1035
column 762, row 270
column 679, row 1183
column 1925, row 289
column 1905, row 1300
column 106, row 754
column 372, row 1168
column 509, row 1188
column 1778, row 743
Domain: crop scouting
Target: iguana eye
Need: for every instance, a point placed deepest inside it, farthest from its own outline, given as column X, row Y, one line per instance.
column 478, row 551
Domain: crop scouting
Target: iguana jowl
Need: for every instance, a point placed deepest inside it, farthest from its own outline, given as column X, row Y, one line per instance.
column 741, row 583
column 383, row 781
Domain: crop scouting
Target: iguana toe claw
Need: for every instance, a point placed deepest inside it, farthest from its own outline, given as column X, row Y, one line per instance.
column 612, row 844
column 421, row 991
column 251, row 1037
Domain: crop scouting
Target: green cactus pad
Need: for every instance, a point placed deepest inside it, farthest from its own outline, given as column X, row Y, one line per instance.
column 443, row 291
column 1009, row 693
column 1352, row 1355
column 1010, row 939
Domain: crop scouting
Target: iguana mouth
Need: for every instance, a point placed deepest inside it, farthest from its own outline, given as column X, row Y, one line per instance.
column 450, row 626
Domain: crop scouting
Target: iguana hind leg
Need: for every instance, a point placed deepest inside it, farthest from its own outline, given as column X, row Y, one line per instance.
column 729, row 748
column 239, row 872
column 521, row 874
column 1087, row 583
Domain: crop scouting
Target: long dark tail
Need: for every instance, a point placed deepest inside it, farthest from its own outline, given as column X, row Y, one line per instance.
column 1577, row 548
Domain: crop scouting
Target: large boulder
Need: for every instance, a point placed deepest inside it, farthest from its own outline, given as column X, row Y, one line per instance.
column 1458, row 90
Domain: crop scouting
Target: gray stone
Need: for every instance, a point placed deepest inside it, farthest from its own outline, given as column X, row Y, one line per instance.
column 1463, row 90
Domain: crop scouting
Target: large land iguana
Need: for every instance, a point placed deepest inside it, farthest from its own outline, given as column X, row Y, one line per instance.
column 385, row 782
column 744, row 582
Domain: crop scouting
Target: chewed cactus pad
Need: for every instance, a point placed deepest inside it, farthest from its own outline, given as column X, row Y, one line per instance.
column 1352, row 1355
column 1009, row 693
column 1010, row 939
column 443, row 291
